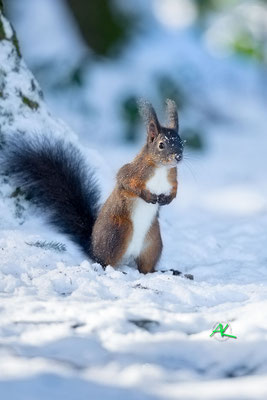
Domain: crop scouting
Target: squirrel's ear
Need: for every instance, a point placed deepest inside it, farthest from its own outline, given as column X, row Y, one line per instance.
column 152, row 131
column 150, row 117
column 172, row 115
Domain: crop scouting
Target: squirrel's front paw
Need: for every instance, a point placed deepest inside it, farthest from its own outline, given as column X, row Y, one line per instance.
column 164, row 199
column 153, row 198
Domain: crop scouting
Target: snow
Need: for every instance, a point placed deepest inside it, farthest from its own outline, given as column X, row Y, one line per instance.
column 44, row 46
column 70, row 330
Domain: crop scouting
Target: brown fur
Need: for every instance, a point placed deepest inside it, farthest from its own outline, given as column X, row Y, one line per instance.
column 113, row 229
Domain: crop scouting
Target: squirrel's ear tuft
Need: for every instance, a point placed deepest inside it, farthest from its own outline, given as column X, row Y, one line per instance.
column 173, row 121
column 150, row 117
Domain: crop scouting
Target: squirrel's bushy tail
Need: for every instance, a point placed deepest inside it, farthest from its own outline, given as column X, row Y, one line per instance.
column 55, row 176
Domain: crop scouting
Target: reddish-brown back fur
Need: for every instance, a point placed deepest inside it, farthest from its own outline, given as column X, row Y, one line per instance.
column 113, row 228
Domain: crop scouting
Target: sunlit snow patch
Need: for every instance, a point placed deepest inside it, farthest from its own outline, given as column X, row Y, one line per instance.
column 236, row 200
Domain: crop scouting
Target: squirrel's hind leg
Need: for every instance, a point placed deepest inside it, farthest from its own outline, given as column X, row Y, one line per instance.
column 111, row 241
column 151, row 251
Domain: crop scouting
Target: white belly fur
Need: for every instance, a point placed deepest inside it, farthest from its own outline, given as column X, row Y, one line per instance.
column 144, row 213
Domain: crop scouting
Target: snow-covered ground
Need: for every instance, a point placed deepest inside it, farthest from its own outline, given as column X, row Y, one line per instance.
column 69, row 330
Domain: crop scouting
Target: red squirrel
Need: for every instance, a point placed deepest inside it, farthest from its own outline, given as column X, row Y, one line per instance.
column 55, row 176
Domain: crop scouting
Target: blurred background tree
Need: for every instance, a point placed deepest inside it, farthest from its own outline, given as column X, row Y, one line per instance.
column 110, row 33
column 103, row 28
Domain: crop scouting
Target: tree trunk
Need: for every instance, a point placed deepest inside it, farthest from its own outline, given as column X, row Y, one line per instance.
column 22, row 108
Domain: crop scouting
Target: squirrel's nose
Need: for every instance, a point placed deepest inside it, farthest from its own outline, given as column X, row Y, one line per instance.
column 178, row 157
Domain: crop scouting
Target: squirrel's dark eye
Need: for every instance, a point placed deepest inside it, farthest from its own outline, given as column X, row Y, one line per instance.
column 161, row 145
